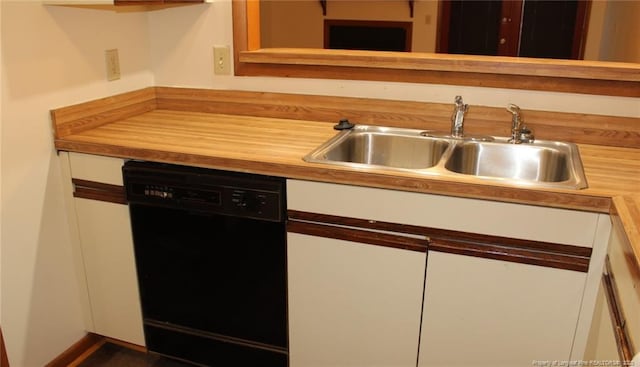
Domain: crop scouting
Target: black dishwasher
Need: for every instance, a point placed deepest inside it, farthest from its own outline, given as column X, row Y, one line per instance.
column 210, row 249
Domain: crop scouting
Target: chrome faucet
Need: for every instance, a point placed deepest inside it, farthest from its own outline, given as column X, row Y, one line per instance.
column 457, row 119
column 519, row 132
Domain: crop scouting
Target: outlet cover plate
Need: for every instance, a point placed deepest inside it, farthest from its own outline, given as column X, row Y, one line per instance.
column 112, row 62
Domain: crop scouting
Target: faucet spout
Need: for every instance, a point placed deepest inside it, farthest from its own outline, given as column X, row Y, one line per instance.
column 457, row 119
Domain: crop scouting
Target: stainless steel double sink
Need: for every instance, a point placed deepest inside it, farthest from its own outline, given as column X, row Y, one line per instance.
column 541, row 163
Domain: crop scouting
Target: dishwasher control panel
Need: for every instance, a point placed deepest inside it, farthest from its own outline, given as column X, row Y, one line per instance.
column 252, row 203
column 205, row 190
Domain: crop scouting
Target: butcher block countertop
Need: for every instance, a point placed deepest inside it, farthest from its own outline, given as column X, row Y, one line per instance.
column 219, row 130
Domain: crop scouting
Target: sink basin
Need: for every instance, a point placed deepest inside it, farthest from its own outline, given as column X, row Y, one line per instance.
column 541, row 162
column 385, row 147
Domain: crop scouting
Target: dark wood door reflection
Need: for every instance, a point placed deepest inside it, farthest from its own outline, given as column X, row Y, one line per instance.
column 527, row 28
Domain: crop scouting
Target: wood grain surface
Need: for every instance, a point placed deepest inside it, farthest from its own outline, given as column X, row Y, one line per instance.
column 528, row 66
column 84, row 116
column 276, row 146
column 402, row 68
column 626, row 210
column 269, row 133
column 577, row 128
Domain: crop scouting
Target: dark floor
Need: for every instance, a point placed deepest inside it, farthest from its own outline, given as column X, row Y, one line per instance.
column 112, row 355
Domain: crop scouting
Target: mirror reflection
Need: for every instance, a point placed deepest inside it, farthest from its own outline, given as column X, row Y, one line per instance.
column 606, row 30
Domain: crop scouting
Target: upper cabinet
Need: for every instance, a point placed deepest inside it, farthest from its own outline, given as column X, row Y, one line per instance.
column 154, row 2
column 123, row 2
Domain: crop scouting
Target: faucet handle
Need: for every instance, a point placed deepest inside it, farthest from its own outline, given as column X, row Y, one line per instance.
column 515, row 110
column 460, row 104
column 526, row 135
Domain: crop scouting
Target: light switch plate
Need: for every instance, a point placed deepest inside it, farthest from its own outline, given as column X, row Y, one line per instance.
column 221, row 60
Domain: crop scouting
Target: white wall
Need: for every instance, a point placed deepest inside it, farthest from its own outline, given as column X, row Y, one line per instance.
column 52, row 57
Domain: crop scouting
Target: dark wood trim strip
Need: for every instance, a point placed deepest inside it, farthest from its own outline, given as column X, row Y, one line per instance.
column 355, row 222
column 434, row 233
column 494, row 247
column 4, row 358
column 137, row 348
column 99, row 191
column 358, row 235
column 618, row 321
column 76, row 350
column 511, row 254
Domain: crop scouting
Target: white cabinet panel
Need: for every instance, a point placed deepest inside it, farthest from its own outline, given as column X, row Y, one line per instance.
column 626, row 279
column 527, row 222
column 103, row 251
column 602, row 340
column 482, row 312
column 107, row 249
column 353, row 304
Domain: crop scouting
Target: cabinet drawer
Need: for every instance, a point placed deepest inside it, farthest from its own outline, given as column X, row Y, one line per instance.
column 520, row 221
column 96, row 168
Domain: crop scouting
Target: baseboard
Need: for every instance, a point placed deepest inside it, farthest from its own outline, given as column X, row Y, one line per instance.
column 137, row 348
column 4, row 359
column 87, row 343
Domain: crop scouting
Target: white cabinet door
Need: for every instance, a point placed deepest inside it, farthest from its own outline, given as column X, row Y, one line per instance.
column 626, row 282
column 353, row 304
column 107, row 249
column 602, row 340
column 103, row 249
column 484, row 312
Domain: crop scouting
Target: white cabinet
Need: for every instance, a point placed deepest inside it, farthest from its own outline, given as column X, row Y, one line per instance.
column 103, row 246
column 107, row 250
column 352, row 304
column 602, row 344
column 526, row 222
column 354, row 292
column 615, row 330
column 508, row 284
column 484, row 312
column 625, row 278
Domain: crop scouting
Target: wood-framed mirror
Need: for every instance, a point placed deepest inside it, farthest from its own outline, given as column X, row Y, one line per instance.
column 573, row 76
